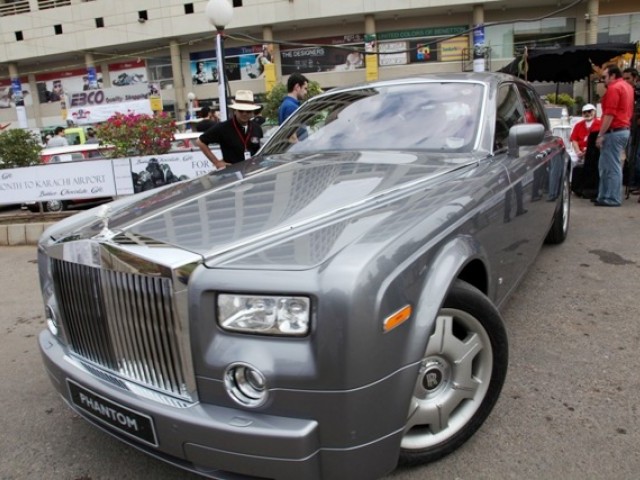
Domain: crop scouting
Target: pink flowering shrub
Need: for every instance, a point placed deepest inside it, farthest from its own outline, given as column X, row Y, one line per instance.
column 137, row 134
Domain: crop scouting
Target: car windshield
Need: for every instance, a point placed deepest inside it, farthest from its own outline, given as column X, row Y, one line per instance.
column 433, row 116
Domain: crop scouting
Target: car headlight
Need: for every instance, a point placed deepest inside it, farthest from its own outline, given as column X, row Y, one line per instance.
column 264, row 314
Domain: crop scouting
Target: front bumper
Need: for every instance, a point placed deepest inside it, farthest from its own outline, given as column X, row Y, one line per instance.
column 221, row 442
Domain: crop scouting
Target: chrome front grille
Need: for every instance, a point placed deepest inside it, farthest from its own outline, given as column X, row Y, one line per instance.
column 124, row 323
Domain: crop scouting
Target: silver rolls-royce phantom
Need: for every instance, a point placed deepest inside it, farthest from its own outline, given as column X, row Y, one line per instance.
column 326, row 309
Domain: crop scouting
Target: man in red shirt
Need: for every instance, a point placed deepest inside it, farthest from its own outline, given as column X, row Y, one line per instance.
column 617, row 110
column 582, row 129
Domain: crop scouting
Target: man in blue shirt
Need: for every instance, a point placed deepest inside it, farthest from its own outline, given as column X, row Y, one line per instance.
column 297, row 91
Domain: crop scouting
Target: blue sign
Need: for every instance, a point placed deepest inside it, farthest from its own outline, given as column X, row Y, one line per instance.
column 16, row 90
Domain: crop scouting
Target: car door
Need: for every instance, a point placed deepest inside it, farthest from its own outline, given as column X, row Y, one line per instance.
column 525, row 203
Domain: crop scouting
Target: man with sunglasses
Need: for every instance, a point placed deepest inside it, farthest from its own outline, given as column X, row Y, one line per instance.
column 617, row 110
column 238, row 137
column 584, row 180
column 580, row 133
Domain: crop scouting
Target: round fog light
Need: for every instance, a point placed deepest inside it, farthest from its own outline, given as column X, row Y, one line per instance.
column 245, row 385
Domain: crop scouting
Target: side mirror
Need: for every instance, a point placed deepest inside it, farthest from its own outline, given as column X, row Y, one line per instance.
column 524, row 134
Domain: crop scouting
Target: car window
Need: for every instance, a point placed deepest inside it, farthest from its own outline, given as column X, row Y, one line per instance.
column 509, row 113
column 533, row 109
column 432, row 116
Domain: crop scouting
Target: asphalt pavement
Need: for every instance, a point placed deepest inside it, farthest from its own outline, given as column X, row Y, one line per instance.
column 570, row 408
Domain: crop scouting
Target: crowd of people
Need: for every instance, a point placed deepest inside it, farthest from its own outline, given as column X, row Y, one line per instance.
column 599, row 143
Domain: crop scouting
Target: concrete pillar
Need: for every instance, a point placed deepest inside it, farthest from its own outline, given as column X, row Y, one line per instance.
column 477, row 37
column 370, row 58
column 593, row 11
column 370, row 24
column 13, row 70
column 35, row 99
column 273, row 70
column 178, row 80
column 104, row 73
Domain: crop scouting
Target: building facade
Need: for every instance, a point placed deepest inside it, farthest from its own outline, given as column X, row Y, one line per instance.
column 52, row 49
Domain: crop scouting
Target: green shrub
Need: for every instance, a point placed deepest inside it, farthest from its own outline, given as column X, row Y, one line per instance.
column 562, row 99
column 19, row 148
column 277, row 94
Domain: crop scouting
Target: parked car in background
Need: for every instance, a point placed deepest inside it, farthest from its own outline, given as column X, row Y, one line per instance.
column 325, row 309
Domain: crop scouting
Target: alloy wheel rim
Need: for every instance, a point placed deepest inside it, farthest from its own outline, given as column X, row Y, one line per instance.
column 453, row 380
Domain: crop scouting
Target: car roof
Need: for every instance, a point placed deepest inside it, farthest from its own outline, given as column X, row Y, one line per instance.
column 85, row 147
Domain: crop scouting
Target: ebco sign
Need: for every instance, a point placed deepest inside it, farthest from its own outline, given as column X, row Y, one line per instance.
column 82, row 99
column 95, row 106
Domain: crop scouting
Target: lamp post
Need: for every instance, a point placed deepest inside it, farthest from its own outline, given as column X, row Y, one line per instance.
column 219, row 13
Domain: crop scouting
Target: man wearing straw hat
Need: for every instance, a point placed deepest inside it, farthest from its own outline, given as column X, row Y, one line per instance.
column 238, row 137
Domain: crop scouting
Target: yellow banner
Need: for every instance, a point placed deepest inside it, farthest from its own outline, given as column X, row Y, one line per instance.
column 451, row 50
column 156, row 103
column 269, row 76
column 371, row 63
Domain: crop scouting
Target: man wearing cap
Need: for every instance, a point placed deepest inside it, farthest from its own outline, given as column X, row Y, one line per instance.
column 582, row 129
column 238, row 137
column 617, row 109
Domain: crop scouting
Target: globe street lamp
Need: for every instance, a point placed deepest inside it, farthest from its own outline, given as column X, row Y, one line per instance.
column 219, row 13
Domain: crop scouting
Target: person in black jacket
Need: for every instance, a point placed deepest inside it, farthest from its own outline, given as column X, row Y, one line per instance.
column 238, row 137
column 208, row 119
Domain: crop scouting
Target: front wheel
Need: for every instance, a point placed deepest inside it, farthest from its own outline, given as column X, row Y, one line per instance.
column 460, row 376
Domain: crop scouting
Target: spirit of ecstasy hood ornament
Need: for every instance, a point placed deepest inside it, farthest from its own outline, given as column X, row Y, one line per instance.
column 103, row 213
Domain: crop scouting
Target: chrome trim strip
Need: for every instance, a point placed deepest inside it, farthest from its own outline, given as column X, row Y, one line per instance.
column 126, row 385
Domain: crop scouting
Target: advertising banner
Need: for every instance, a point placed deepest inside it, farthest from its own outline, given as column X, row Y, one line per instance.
column 478, row 48
column 11, row 94
column 423, row 44
column 124, row 74
column 240, row 63
column 94, row 106
column 53, row 85
column 393, row 53
column 154, row 171
column 100, row 178
column 93, row 179
column 452, row 50
column 323, row 56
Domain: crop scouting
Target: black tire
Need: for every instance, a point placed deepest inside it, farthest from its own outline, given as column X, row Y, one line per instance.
column 55, row 206
column 560, row 226
column 460, row 378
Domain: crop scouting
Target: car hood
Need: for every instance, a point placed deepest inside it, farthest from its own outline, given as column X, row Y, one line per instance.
column 269, row 200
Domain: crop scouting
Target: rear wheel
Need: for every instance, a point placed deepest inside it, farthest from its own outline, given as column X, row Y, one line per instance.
column 55, row 206
column 460, row 377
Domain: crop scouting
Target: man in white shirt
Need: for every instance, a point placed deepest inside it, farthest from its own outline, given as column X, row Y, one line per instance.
column 58, row 139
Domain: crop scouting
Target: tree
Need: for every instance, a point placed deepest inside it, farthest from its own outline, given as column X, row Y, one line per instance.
column 277, row 94
column 19, row 148
column 137, row 134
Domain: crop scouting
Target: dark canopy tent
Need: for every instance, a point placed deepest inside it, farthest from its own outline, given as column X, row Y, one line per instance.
column 565, row 64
